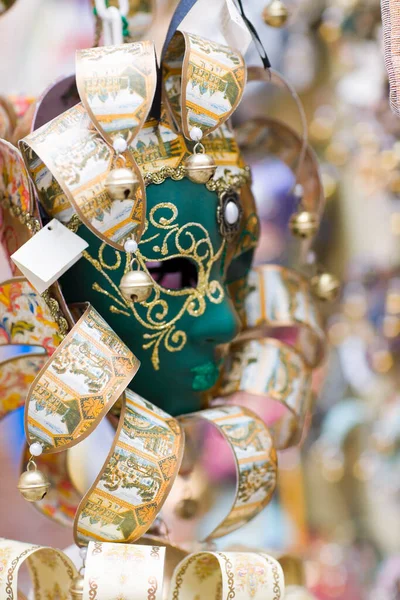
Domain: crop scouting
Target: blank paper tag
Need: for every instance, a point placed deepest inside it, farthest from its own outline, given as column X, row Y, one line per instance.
column 225, row 26
column 49, row 254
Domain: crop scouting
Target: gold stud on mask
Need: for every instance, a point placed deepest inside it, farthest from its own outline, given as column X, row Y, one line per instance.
column 200, row 167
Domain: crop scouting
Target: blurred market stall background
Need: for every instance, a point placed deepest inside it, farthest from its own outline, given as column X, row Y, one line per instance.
column 338, row 505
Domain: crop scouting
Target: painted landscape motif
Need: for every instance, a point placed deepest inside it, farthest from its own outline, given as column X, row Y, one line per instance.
column 79, row 161
column 256, row 461
column 137, row 477
column 116, row 85
column 84, row 378
column 203, row 81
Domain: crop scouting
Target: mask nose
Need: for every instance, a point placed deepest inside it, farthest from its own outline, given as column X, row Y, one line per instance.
column 219, row 324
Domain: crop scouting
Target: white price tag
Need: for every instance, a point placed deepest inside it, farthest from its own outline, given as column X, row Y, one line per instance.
column 49, row 254
column 224, row 26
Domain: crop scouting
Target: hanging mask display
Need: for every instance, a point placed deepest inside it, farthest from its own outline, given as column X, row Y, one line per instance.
column 160, row 315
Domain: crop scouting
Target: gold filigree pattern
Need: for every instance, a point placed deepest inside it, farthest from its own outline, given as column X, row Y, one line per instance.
column 190, row 240
column 172, row 240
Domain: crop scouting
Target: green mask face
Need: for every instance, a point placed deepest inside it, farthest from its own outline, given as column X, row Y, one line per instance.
column 190, row 311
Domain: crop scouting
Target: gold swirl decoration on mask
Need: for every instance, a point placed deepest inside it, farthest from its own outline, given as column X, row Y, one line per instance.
column 190, row 240
column 52, row 572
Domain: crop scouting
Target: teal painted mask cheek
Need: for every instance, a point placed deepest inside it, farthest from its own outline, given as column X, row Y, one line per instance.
column 189, row 313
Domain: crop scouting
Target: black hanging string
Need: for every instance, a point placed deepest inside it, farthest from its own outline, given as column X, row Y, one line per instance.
column 184, row 6
column 155, row 111
column 254, row 34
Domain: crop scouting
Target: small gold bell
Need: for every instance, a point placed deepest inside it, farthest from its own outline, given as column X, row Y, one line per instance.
column 121, row 183
column 303, row 224
column 187, row 508
column 200, row 167
column 76, row 588
column 136, row 286
column 33, row 484
column 325, row 286
column 275, row 14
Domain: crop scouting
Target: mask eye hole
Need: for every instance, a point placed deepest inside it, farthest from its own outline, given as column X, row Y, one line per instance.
column 174, row 273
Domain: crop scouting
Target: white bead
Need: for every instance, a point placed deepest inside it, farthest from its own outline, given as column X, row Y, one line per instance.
column 231, row 213
column 120, row 144
column 298, row 191
column 83, row 552
column 36, row 449
column 130, row 246
column 196, row 134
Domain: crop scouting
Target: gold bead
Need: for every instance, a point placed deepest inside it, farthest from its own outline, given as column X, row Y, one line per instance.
column 136, row 286
column 121, row 183
column 200, row 167
column 304, row 224
column 187, row 508
column 76, row 588
column 325, row 286
column 275, row 14
column 33, row 485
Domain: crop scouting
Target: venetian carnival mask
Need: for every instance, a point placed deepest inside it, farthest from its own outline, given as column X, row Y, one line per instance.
column 194, row 239
column 157, row 188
